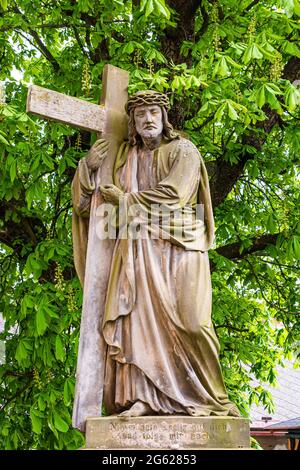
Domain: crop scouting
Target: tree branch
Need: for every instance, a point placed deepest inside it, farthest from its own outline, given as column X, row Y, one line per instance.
column 48, row 55
column 232, row 251
column 184, row 30
column 252, row 4
column 40, row 44
column 205, row 22
column 80, row 43
column 17, row 395
column 16, row 234
column 233, row 328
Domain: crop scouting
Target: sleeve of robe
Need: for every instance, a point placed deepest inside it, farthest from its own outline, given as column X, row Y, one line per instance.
column 176, row 190
column 82, row 188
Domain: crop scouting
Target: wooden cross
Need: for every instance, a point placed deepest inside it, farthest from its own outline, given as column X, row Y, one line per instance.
column 109, row 121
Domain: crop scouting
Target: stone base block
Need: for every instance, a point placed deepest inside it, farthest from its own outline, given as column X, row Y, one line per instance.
column 167, row 432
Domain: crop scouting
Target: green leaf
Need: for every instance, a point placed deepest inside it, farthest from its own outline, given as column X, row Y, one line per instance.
column 221, row 68
column 297, row 7
column 50, row 311
column 3, row 139
column 143, row 5
column 175, row 83
column 149, row 8
column 51, row 425
column 291, row 48
column 252, row 52
column 67, row 399
column 48, row 161
column 30, row 193
column 296, row 246
column 60, row 353
column 41, row 403
column 273, row 101
column 13, row 170
column 5, row 430
column 23, row 349
column 35, row 163
column 271, row 226
column 3, row 4
column 261, row 97
column 161, row 7
column 265, row 51
column 289, row 6
column 292, row 97
column 129, row 47
column 41, row 323
column 233, row 62
column 274, row 89
column 8, row 111
column 59, row 423
column 256, row 54
column 62, row 166
column 220, row 111
column 68, row 391
column 26, row 302
column 232, row 112
column 36, row 421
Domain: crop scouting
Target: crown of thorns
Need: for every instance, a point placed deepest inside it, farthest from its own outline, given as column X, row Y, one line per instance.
column 146, row 98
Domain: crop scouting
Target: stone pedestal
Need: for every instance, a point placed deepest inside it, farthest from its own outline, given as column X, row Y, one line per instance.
column 167, row 432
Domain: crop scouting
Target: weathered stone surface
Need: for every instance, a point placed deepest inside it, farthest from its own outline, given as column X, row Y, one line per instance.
column 167, row 432
column 65, row 109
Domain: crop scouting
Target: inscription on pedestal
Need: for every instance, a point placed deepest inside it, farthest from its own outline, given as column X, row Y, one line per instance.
column 167, row 433
column 154, row 435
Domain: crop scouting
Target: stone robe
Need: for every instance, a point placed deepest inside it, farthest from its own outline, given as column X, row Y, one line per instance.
column 161, row 344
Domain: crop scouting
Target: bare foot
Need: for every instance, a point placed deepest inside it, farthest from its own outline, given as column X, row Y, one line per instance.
column 138, row 409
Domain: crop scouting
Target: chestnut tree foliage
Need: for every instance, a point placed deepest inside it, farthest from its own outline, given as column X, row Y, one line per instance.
column 231, row 70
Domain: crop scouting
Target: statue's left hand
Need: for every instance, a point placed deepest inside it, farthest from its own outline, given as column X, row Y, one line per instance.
column 112, row 194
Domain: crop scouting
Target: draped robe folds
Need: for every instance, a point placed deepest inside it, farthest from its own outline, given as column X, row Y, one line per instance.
column 161, row 345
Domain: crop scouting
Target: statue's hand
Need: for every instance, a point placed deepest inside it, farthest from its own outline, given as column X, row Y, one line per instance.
column 111, row 194
column 96, row 154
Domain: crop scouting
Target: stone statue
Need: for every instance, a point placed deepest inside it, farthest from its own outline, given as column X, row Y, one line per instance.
column 161, row 352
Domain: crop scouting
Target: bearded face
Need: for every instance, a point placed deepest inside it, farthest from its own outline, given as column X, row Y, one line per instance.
column 148, row 121
column 148, row 118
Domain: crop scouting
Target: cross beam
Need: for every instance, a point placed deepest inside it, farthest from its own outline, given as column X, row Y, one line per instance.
column 76, row 112
column 66, row 109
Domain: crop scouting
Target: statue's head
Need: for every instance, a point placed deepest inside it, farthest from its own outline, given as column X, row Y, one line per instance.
column 148, row 116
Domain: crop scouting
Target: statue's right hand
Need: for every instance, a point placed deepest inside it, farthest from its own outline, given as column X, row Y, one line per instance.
column 96, row 154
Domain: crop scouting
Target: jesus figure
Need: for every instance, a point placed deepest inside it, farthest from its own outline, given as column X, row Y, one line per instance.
column 162, row 353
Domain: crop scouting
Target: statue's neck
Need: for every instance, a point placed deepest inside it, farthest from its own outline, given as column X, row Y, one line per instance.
column 152, row 143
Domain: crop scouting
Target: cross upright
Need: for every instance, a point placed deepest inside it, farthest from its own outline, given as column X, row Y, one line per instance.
column 109, row 121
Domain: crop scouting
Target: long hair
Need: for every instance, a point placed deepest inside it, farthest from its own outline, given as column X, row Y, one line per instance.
column 135, row 139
